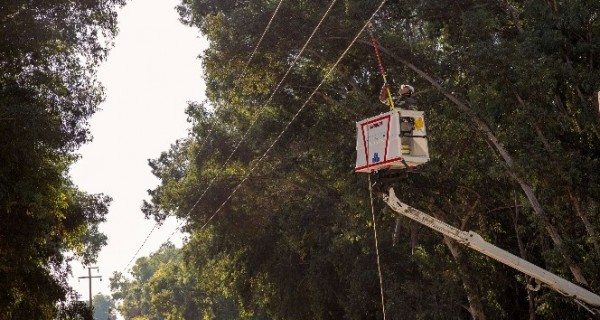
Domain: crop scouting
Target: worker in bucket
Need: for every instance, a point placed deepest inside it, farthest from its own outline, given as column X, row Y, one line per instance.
column 404, row 100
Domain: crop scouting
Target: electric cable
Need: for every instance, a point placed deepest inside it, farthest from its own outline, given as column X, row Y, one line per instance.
column 244, row 69
column 156, row 225
column 295, row 116
column 261, row 110
column 327, row 75
column 140, row 247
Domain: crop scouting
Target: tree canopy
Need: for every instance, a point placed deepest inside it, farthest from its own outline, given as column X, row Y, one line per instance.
column 49, row 51
column 104, row 307
column 510, row 94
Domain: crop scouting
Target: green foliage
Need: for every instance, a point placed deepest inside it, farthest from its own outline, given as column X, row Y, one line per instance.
column 75, row 310
column 48, row 91
column 295, row 241
column 164, row 287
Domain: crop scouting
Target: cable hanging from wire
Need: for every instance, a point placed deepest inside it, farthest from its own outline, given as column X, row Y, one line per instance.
column 379, row 273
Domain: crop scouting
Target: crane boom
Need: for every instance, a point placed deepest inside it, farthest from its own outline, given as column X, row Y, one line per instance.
column 475, row 241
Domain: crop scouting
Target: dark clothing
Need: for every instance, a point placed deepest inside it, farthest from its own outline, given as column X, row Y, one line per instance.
column 404, row 102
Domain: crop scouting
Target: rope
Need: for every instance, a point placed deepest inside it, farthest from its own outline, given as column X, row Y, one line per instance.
column 377, row 248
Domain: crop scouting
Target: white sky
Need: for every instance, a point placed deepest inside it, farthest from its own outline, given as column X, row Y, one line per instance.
column 149, row 76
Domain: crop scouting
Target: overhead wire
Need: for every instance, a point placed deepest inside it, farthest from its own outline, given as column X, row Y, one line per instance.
column 261, row 37
column 333, row 67
column 243, row 73
column 263, row 107
column 327, row 75
column 140, row 247
column 286, row 128
column 156, row 225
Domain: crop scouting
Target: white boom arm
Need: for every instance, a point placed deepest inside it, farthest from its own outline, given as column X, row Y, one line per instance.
column 475, row 241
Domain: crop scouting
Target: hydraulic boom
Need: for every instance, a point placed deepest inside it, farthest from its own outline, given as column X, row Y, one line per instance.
column 475, row 241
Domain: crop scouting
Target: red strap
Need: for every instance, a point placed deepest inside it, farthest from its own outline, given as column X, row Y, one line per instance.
column 376, row 46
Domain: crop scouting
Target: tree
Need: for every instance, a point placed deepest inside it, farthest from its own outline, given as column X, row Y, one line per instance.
column 104, row 307
column 76, row 310
column 164, row 287
column 509, row 91
column 48, row 91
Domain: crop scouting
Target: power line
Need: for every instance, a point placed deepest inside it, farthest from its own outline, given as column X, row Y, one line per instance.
column 210, row 130
column 261, row 38
column 289, row 123
column 259, row 113
column 140, row 247
column 263, row 107
column 295, row 115
column 244, row 69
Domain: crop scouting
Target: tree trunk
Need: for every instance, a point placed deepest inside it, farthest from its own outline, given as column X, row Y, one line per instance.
column 599, row 103
column 469, row 284
column 586, row 223
column 588, row 226
column 523, row 253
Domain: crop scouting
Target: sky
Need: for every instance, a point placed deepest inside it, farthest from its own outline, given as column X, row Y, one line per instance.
column 149, row 75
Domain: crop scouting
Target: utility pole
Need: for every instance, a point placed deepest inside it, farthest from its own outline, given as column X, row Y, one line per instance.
column 90, row 277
